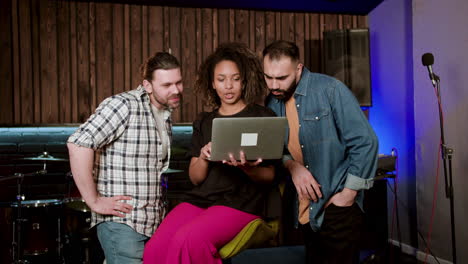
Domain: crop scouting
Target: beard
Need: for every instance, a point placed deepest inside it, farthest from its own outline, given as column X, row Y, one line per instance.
column 167, row 103
column 284, row 94
column 171, row 104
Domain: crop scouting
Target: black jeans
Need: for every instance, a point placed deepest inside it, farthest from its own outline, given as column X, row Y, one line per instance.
column 339, row 238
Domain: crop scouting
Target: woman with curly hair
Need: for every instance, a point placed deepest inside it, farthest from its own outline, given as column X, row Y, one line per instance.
column 228, row 194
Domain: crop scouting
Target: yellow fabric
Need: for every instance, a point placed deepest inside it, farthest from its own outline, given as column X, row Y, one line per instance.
column 295, row 149
column 252, row 235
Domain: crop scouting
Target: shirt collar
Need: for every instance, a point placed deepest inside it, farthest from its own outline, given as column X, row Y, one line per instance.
column 302, row 86
column 141, row 90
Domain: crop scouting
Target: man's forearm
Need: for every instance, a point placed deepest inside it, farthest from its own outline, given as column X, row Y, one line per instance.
column 81, row 164
column 290, row 164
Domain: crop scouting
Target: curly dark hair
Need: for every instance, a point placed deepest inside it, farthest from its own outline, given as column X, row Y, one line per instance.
column 254, row 86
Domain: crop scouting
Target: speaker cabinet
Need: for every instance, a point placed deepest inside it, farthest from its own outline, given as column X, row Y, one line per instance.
column 346, row 57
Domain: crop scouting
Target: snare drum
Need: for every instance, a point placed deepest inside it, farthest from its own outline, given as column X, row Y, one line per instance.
column 77, row 220
column 77, row 215
column 41, row 225
column 76, row 204
column 37, row 203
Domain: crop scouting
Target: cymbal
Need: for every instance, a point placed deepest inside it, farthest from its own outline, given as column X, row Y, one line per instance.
column 45, row 157
column 169, row 171
column 7, row 178
column 23, row 175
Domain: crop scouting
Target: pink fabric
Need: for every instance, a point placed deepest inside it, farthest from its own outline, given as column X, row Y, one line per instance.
column 190, row 234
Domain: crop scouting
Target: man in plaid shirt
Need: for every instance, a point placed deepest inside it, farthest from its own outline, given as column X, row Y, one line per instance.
column 118, row 155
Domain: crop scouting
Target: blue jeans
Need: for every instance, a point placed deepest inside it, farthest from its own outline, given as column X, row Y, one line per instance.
column 121, row 243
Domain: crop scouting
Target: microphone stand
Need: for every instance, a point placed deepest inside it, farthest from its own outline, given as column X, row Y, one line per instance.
column 447, row 154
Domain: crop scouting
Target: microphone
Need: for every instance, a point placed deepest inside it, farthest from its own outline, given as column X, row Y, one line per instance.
column 428, row 60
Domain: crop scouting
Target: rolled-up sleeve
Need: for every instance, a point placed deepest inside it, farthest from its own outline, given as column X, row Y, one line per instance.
column 107, row 123
column 360, row 139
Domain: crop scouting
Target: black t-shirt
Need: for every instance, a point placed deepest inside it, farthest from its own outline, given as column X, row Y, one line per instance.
column 228, row 185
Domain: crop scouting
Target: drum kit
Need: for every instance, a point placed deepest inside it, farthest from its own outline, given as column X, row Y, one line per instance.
column 53, row 230
column 47, row 230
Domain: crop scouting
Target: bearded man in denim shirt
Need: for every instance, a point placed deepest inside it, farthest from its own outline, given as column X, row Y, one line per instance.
column 330, row 152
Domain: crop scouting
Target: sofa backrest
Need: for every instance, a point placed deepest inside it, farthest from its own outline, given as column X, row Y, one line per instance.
column 18, row 143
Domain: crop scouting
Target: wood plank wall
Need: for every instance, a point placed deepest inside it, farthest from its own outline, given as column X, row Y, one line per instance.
column 59, row 59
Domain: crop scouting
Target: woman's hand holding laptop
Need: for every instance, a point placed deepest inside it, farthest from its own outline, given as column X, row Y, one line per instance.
column 243, row 162
column 205, row 153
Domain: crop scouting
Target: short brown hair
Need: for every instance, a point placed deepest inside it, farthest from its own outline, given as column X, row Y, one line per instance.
column 159, row 61
column 280, row 48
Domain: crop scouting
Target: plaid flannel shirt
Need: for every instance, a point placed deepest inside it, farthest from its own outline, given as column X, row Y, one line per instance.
column 122, row 131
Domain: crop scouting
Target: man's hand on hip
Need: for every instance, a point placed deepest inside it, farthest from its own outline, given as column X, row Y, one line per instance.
column 111, row 205
column 343, row 199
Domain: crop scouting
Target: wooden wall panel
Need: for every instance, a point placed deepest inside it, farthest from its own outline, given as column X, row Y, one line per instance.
column 156, row 32
column 26, row 71
column 188, row 59
column 241, row 26
column 307, row 41
column 315, row 45
column 346, row 22
column 212, row 34
column 252, row 30
column 6, row 69
column 16, row 63
column 50, row 105
column 299, row 28
column 92, row 55
column 223, row 25
column 36, row 59
column 287, row 26
column 144, row 32
column 136, row 40
column 127, row 48
column 118, row 49
column 103, row 51
column 259, row 33
column 270, row 27
column 73, row 63
column 175, row 46
column 63, row 57
column 60, row 59
column 82, row 57
column 232, row 25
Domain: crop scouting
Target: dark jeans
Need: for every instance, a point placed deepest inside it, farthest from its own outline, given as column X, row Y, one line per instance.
column 339, row 238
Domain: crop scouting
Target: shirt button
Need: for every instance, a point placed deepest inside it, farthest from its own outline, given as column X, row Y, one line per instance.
column 299, row 125
column 302, row 146
column 316, row 118
column 307, row 166
column 297, row 105
column 311, row 208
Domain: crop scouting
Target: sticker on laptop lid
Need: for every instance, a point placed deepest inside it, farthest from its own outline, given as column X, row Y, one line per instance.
column 249, row 139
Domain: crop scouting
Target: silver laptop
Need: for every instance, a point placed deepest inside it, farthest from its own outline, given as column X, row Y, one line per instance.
column 258, row 137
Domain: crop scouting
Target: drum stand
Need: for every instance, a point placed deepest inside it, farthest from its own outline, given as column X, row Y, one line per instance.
column 17, row 253
column 16, row 244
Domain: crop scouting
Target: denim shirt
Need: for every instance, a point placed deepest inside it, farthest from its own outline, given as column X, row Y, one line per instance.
column 338, row 144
